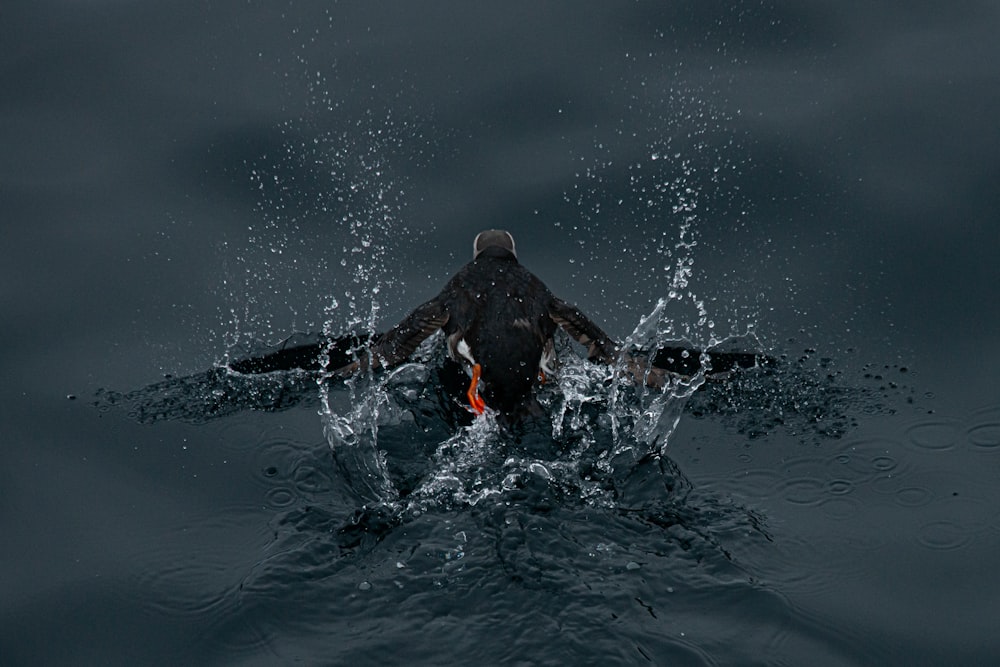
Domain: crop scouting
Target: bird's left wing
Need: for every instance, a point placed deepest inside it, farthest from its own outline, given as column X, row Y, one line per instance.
column 600, row 346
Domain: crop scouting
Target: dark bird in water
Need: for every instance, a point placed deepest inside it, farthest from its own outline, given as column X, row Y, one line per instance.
column 499, row 320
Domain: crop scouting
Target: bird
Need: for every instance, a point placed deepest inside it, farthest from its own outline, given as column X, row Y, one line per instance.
column 499, row 321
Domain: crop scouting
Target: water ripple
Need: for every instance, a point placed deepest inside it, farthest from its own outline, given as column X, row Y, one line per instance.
column 192, row 573
column 841, row 508
column 758, row 481
column 279, row 497
column 804, row 491
column 913, row 496
column 943, row 535
column 935, row 435
column 884, row 463
column 288, row 466
column 864, row 457
column 839, row 487
column 985, row 436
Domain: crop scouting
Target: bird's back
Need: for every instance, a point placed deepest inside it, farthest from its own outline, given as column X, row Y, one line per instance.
column 502, row 310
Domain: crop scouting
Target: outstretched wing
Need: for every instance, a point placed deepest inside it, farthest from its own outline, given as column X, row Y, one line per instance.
column 398, row 343
column 603, row 349
column 600, row 346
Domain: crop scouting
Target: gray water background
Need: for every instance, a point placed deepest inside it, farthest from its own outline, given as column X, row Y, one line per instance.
column 164, row 168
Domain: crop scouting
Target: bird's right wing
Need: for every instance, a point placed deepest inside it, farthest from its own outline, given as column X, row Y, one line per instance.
column 398, row 343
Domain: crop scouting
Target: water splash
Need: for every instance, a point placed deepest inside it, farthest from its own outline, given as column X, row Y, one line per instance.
column 353, row 437
column 465, row 468
column 646, row 188
column 370, row 221
column 342, row 178
column 327, row 188
column 653, row 414
column 588, row 402
column 329, row 198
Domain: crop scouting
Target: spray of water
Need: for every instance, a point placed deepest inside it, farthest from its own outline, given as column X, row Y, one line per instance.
column 369, row 221
column 647, row 188
column 343, row 179
column 330, row 198
column 587, row 402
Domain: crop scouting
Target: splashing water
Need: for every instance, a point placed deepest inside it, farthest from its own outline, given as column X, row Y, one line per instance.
column 465, row 467
column 343, row 180
column 329, row 200
column 601, row 422
column 658, row 195
column 597, row 426
column 353, row 436
column 329, row 189
column 654, row 414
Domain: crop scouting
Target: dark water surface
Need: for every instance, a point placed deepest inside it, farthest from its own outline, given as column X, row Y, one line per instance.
column 185, row 182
